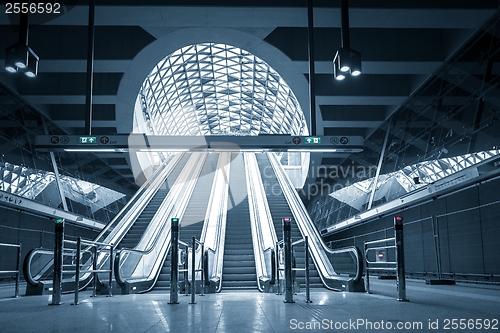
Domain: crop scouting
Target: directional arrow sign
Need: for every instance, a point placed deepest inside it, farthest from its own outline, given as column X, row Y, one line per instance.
column 87, row 140
column 313, row 140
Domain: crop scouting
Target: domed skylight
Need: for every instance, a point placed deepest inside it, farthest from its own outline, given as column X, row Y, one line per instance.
column 217, row 89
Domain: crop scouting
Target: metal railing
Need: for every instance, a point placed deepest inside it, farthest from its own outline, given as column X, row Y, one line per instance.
column 319, row 251
column 174, row 264
column 114, row 230
column 18, row 266
column 304, row 240
column 93, row 248
column 155, row 243
column 213, row 234
column 397, row 266
column 263, row 231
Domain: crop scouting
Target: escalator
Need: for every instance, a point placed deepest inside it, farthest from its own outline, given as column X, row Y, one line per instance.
column 239, row 261
column 191, row 223
column 279, row 209
column 137, row 269
column 134, row 235
column 38, row 263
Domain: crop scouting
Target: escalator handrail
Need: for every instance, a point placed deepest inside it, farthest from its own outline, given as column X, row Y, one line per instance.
column 135, row 200
column 132, row 200
column 164, row 229
column 304, row 221
column 255, row 192
column 155, row 183
column 218, row 211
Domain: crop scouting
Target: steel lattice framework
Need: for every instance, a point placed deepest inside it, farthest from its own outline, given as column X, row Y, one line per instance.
column 218, row 89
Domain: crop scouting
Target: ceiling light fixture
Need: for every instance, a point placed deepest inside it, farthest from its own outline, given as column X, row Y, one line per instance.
column 19, row 57
column 346, row 60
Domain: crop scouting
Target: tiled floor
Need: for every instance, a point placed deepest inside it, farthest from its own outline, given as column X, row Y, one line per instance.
column 243, row 312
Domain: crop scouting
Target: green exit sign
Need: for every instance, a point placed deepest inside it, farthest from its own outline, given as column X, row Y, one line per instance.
column 312, row 140
column 88, row 140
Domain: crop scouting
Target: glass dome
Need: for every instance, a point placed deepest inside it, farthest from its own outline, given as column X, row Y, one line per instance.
column 218, row 89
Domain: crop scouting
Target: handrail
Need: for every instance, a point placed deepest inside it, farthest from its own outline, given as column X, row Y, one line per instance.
column 214, row 228
column 174, row 205
column 397, row 266
column 149, row 189
column 135, row 197
column 260, row 217
column 125, row 219
column 317, row 247
column 18, row 266
column 93, row 270
column 153, row 184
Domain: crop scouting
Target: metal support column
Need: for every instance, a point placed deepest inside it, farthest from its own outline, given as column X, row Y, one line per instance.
column 367, row 280
column 379, row 166
column 308, row 294
column 56, row 169
column 277, row 260
column 437, row 245
column 111, row 269
column 202, row 263
column 77, row 269
column 287, row 232
column 174, row 264
column 400, row 258
column 58, row 262
column 94, row 269
column 90, row 69
column 18, row 268
column 193, row 272
column 312, row 81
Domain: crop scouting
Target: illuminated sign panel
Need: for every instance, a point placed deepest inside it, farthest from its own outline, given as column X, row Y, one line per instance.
column 87, row 140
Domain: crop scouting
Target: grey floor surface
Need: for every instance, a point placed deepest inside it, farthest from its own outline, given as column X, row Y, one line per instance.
column 458, row 308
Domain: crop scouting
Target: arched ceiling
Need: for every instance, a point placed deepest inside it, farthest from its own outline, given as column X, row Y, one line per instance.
column 218, row 89
column 405, row 47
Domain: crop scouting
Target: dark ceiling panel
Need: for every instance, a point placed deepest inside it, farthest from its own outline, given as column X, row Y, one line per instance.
column 345, row 131
column 353, row 112
column 301, row 3
column 70, row 42
column 71, row 84
column 364, row 85
column 375, row 44
column 95, row 130
column 77, row 111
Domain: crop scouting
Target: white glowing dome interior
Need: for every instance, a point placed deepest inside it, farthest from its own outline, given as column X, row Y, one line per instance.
column 218, row 89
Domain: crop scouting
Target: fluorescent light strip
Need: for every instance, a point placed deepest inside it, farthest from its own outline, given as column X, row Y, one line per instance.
column 163, row 150
column 86, row 150
column 313, row 150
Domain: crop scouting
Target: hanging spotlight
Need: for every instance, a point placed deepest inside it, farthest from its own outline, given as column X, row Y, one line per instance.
column 10, row 59
column 32, row 69
column 20, row 57
column 355, row 63
column 346, row 60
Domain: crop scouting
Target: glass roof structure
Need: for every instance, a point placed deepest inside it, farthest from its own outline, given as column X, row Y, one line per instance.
column 39, row 185
column 218, row 89
column 395, row 184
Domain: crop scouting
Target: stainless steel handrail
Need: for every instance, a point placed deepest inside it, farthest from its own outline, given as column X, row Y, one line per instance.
column 92, row 269
column 317, row 247
column 18, row 266
column 124, row 217
column 215, row 218
column 170, row 205
column 259, row 214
